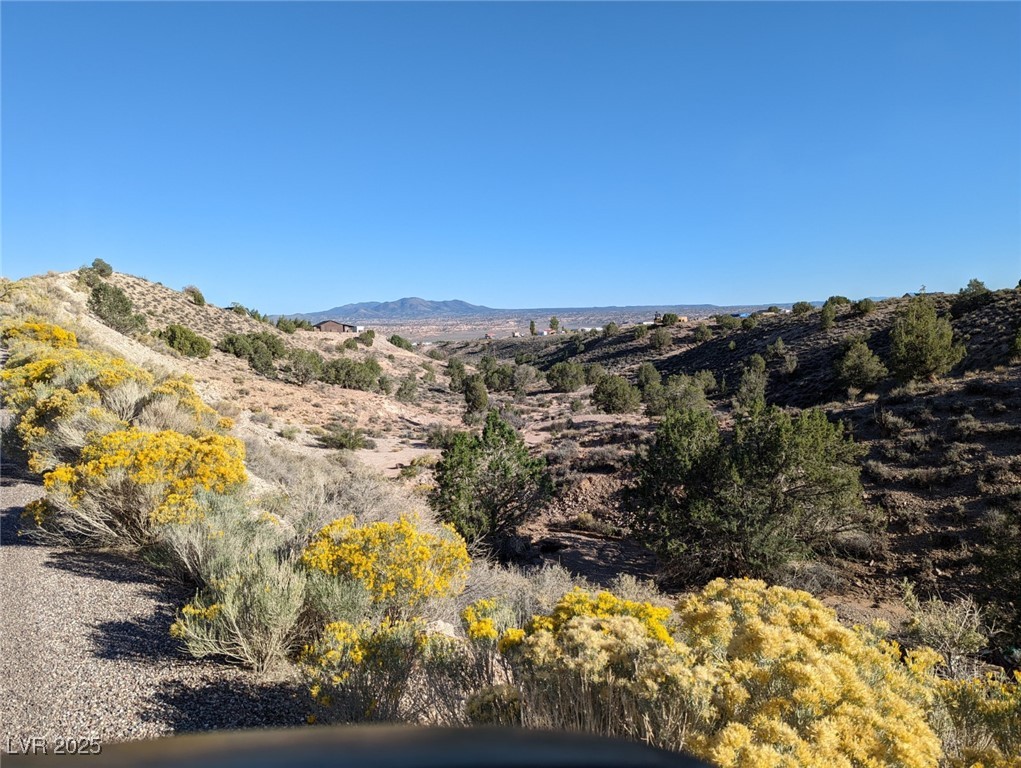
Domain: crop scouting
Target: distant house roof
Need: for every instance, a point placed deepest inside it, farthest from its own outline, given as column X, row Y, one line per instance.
column 335, row 326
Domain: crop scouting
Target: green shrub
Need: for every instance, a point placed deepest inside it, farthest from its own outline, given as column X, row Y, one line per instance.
column 680, row 393
column 456, row 372
column 407, row 392
column 780, row 490
column 366, row 338
column 703, row 333
column 102, row 268
column 749, row 323
column 594, row 373
column 88, row 277
column 614, row 394
column 305, row 365
column 827, row 316
column 340, row 437
column 240, row 309
column 400, row 341
column 660, row 339
column 351, row 374
column 185, row 341
column 971, row 297
column 864, row 307
column 195, row 295
column 610, row 330
column 801, row 308
column 669, row 318
column 487, row 486
column 860, row 367
column 706, row 380
column 476, row 396
column 441, row 436
column 922, row 344
column 776, row 350
column 641, row 331
column 249, row 615
column 566, row 377
column 259, row 349
column 290, row 325
column 114, row 308
column 751, row 392
column 728, row 322
column 498, row 377
column 647, row 375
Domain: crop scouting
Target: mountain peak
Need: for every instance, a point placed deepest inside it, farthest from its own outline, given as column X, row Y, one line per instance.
column 408, row 308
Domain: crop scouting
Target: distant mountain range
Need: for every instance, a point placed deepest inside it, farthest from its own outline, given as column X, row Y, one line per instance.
column 410, row 308
column 414, row 308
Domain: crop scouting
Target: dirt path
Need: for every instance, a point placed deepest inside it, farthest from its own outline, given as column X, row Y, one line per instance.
column 85, row 651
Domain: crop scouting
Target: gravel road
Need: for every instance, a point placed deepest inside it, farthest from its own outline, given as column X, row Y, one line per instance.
column 85, row 649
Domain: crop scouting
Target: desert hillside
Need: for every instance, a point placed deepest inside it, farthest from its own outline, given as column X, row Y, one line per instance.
column 381, row 491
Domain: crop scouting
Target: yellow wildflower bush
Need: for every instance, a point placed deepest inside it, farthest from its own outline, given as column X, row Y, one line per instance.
column 481, row 620
column 982, row 721
column 38, row 369
column 64, row 396
column 400, row 565
column 128, row 483
column 174, row 404
column 40, row 332
column 363, row 671
column 605, row 665
column 795, row 686
column 741, row 674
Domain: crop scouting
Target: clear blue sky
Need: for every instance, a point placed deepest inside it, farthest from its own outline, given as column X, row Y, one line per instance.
column 297, row 156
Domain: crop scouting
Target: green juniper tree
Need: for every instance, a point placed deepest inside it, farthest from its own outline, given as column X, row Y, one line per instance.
column 781, row 489
column 488, row 485
column 921, row 343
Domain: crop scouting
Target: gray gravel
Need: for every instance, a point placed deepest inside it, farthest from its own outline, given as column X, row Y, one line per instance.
column 85, row 649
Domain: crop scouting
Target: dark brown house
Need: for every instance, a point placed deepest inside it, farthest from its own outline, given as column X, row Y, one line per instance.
column 332, row 326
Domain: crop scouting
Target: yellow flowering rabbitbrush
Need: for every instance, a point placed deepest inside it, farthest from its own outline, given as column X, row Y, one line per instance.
column 741, row 674
column 984, row 725
column 363, row 671
column 40, row 332
column 400, row 565
column 129, row 482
